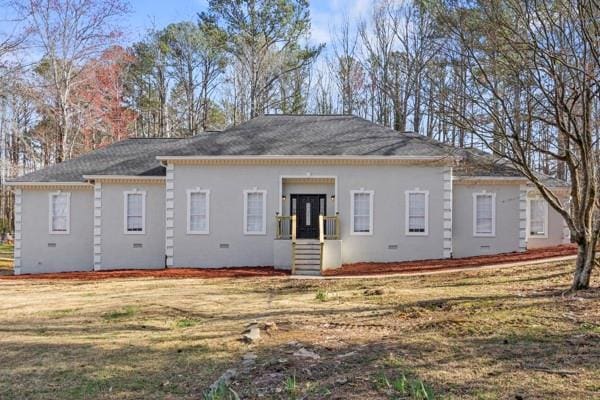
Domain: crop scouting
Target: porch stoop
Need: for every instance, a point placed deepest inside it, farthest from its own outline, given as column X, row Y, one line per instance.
column 307, row 257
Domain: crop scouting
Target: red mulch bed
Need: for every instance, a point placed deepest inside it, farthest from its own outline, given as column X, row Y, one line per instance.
column 348, row 270
column 370, row 268
column 242, row 272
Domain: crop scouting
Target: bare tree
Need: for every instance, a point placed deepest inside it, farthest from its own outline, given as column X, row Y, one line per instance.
column 69, row 33
column 536, row 66
column 345, row 67
column 265, row 39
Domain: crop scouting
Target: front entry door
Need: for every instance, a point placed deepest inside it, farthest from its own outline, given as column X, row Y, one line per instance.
column 307, row 208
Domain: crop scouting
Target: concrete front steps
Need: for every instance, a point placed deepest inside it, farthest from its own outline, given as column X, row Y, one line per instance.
column 307, row 257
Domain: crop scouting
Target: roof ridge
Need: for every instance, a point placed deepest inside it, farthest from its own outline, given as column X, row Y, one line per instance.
column 165, row 138
column 306, row 115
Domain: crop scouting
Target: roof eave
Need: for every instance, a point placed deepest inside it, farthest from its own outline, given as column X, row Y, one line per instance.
column 275, row 159
column 505, row 180
column 125, row 178
column 140, row 177
column 46, row 184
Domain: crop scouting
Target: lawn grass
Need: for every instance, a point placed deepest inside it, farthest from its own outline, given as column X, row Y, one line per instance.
column 494, row 334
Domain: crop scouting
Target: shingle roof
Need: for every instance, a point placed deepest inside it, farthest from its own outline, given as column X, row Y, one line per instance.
column 127, row 157
column 479, row 163
column 312, row 135
column 270, row 135
column 281, row 135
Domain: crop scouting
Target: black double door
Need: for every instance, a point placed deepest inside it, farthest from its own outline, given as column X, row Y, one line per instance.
column 307, row 208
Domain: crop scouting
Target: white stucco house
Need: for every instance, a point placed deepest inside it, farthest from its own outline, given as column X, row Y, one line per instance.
column 298, row 192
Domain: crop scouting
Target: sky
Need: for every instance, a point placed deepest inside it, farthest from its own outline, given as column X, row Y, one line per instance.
column 325, row 14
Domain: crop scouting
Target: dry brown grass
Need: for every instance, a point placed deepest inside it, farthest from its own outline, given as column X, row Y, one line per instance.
column 493, row 334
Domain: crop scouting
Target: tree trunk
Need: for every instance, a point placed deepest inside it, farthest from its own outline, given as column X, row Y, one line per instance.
column 586, row 258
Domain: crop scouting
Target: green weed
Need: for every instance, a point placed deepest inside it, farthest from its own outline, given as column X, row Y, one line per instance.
column 125, row 312
column 321, row 295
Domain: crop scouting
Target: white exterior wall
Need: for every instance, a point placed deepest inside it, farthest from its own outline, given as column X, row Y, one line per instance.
column 226, row 244
column 120, row 250
column 41, row 251
column 508, row 220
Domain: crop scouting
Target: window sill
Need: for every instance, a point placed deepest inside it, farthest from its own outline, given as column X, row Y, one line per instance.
column 135, row 233
column 361, row 233
column 198, row 233
column 537, row 237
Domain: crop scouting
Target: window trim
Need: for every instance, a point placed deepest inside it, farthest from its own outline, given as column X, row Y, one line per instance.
column 545, row 234
column 371, row 194
column 125, row 194
column 264, row 212
column 51, row 230
column 407, row 194
column 189, row 209
column 493, row 232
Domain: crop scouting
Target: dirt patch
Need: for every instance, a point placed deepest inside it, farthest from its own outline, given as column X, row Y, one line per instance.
column 369, row 268
column 175, row 273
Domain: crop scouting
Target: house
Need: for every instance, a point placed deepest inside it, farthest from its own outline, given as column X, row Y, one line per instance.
column 302, row 192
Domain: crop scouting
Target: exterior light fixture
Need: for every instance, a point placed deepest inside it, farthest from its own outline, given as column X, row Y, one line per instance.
column 283, row 197
column 333, row 197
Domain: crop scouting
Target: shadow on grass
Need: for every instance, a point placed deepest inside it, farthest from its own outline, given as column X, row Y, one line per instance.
column 473, row 368
column 76, row 371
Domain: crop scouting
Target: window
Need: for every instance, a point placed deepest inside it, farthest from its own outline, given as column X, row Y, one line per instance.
column 538, row 217
column 362, row 212
column 59, row 212
column 135, row 212
column 198, row 209
column 417, row 204
column 255, row 208
column 484, row 214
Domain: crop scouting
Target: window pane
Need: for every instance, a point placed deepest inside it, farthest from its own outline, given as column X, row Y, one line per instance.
column 134, row 224
column 537, row 217
column 362, row 212
column 416, row 212
column 197, row 223
column 483, row 212
column 308, row 214
column 59, row 224
column 60, row 211
column 135, row 212
column 254, row 212
column 134, row 205
column 198, row 211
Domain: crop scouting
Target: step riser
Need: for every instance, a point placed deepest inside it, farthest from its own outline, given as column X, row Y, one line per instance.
column 307, row 258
